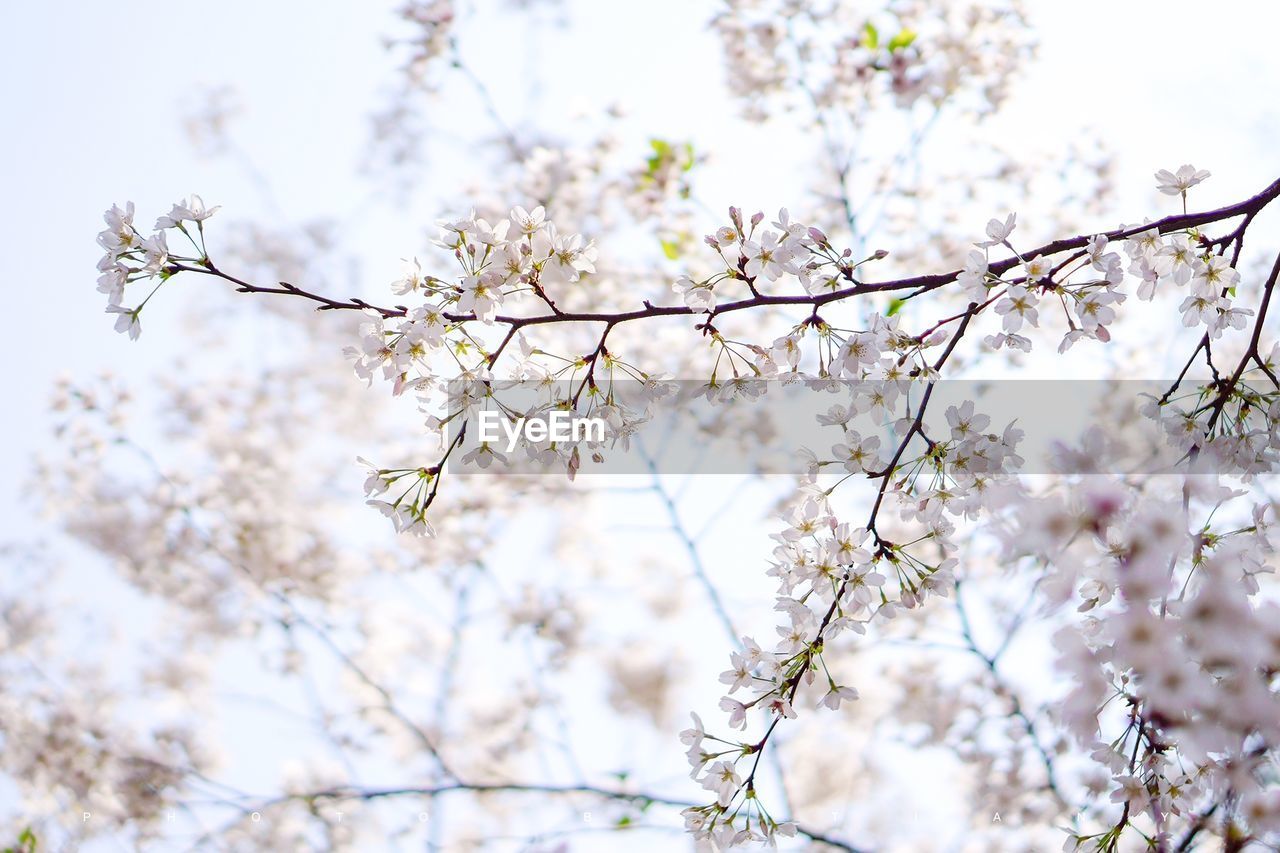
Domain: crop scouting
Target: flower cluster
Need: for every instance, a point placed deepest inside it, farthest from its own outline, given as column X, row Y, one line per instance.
column 848, row 61
column 1172, row 663
column 1086, row 285
column 1180, row 260
column 835, row 578
column 1170, row 586
column 1087, row 304
column 130, row 257
column 757, row 257
column 1233, row 426
column 519, row 256
column 432, row 21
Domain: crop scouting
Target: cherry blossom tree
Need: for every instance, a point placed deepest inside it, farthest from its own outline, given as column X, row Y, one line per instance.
column 922, row 574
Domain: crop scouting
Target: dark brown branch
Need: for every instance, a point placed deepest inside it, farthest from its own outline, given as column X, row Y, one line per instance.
column 919, row 284
column 1252, row 352
column 792, row 686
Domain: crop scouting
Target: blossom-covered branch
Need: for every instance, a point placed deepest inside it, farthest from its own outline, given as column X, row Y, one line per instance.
column 833, row 577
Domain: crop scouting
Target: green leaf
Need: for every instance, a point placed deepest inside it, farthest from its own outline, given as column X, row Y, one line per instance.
column 625, row 820
column 895, row 305
column 902, row 39
column 661, row 151
column 870, row 36
column 26, row 843
column 671, row 249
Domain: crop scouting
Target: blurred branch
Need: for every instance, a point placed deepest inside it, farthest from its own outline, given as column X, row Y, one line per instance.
column 1015, row 705
column 430, row 792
